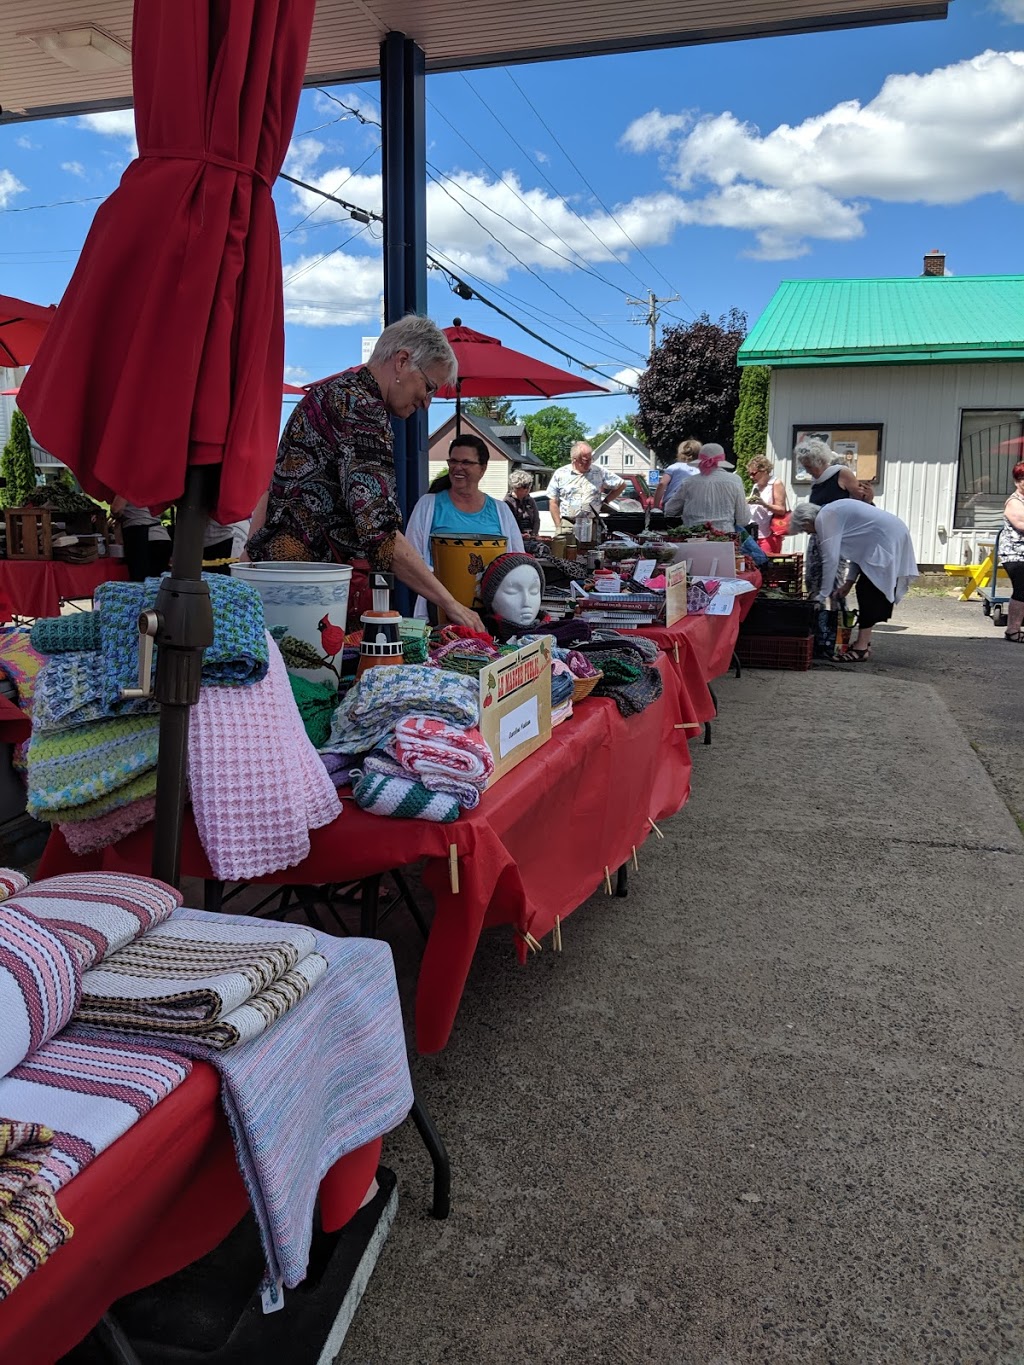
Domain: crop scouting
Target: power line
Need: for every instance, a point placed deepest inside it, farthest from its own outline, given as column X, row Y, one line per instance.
column 335, row 191
column 57, row 204
column 650, row 318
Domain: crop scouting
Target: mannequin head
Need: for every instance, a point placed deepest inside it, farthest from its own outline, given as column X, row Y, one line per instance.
column 511, row 589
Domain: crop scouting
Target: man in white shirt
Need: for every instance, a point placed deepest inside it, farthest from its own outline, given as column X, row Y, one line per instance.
column 718, row 496
column 578, row 486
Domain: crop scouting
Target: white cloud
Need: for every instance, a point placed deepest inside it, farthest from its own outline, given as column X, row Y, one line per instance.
column 119, row 123
column 10, row 185
column 624, row 379
column 303, row 154
column 945, row 137
column 654, row 130
column 542, row 157
column 26, row 144
column 73, row 168
column 1010, row 9
column 295, row 374
column 338, row 291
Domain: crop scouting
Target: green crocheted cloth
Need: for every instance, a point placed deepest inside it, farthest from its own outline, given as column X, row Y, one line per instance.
column 619, row 671
column 73, row 768
column 316, row 702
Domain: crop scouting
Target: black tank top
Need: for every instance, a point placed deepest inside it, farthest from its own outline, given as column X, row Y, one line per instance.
column 829, row 490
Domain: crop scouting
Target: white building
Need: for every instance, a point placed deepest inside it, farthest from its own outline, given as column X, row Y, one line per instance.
column 919, row 382
column 622, row 455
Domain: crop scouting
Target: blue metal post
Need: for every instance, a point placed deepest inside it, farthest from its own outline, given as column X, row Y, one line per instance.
column 403, row 101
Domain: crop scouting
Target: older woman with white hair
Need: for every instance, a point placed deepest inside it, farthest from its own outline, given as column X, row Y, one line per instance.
column 831, row 481
column 333, row 497
column 519, row 499
column 882, row 562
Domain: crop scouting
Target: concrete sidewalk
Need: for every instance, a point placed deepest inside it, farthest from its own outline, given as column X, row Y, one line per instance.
column 767, row 1108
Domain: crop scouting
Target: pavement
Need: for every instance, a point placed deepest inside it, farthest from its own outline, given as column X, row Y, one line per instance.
column 767, row 1108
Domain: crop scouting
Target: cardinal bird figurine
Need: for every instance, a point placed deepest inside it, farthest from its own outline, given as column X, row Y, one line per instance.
column 332, row 638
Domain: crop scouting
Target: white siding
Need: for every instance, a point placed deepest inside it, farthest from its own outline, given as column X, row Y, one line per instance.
column 919, row 407
column 494, row 481
column 621, row 456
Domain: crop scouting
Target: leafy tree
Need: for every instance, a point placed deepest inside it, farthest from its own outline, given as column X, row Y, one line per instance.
column 16, row 464
column 552, row 430
column 629, row 425
column 692, row 382
column 499, row 410
column 750, row 429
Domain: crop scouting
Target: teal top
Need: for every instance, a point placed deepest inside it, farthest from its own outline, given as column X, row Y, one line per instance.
column 449, row 521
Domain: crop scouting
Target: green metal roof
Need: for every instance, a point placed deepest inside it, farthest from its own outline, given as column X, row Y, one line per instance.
column 890, row 322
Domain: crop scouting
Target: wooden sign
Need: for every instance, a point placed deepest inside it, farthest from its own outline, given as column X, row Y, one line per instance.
column 675, row 592
column 515, row 705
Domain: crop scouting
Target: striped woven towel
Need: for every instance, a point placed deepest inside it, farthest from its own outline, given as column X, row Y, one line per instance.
column 426, row 746
column 193, row 981
column 40, row 982
column 31, row 1225
column 88, row 1091
column 96, row 913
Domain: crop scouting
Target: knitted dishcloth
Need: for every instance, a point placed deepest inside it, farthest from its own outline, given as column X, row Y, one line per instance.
column 135, row 790
column 67, row 634
column 74, row 767
column 370, row 711
column 85, row 836
column 316, row 702
column 465, row 792
column 633, row 686
column 69, row 692
column 403, row 798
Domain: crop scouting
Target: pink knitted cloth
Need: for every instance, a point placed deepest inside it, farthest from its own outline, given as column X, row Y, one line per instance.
column 258, row 785
column 84, row 836
column 427, row 747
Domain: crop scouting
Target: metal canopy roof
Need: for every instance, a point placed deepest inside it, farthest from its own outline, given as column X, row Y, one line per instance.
column 454, row 34
column 890, row 322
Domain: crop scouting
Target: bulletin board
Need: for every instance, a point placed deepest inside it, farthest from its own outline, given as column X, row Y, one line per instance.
column 861, row 446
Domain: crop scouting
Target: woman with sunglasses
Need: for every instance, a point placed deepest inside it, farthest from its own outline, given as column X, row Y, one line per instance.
column 333, row 497
column 464, row 509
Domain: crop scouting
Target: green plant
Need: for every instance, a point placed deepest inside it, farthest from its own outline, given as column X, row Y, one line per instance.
column 750, row 426
column 17, row 466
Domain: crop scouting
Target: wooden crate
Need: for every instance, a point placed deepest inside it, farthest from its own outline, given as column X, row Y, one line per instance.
column 29, row 533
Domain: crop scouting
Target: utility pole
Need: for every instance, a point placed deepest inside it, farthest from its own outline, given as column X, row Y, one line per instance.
column 651, row 313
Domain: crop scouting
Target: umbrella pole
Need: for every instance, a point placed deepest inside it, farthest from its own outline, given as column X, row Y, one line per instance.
column 458, row 407
column 185, row 629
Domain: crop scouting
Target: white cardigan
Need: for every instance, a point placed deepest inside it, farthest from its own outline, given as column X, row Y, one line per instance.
column 421, row 519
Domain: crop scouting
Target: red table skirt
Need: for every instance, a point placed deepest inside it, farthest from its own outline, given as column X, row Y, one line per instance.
column 35, row 587
column 159, row 1198
column 536, row 847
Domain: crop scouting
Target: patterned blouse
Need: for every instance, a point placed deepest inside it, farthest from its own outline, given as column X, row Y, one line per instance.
column 333, row 497
column 1011, row 541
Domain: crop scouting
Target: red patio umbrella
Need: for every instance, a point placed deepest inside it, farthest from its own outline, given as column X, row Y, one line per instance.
column 490, row 369
column 162, row 368
column 22, row 327
column 1014, row 446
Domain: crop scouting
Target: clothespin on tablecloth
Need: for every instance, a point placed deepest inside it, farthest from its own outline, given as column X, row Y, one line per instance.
column 636, row 865
column 607, row 882
column 529, row 940
column 688, row 725
column 675, row 650
column 453, row 868
column 556, row 935
column 655, row 828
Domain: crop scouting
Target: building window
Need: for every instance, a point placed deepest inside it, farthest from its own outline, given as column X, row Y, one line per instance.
column 627, row 460
column 991, row 443
column 859, row 445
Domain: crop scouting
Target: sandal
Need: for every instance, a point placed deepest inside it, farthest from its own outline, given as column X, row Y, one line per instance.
column 857, row 656
column 1015, row 638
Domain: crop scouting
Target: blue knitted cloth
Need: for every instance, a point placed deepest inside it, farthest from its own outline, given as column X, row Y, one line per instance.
column 370, row 711
column 69, row 692
column 66, row 634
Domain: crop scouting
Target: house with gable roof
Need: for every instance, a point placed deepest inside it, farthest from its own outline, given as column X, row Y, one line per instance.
column 508, row 446
column 917, row 382
column 624, row 455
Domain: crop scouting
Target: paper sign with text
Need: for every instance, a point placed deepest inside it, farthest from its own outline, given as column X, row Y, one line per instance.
column 675, row 593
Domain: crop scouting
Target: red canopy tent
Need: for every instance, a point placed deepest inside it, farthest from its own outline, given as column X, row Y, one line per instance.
column 490, row 369
column 22, row 327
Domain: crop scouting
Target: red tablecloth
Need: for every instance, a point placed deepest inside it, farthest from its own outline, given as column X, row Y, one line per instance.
column 162, row 1196
column 536, row 846
column 36, row 587
column 15, row 725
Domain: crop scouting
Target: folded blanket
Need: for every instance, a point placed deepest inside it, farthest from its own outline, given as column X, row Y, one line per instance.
column 424, row 746
column 73, row 767
column 11, row 882
column 86, row 836
column 465, row 792
column 403, row 797
column 295, row 1108
column 267, row 1006
column 69, row 692
column 40, row 982
column 383, row 696
column 98, row 913
column 88, row 1091
column 179, row 981
column 258, row 785
column 31, row 1225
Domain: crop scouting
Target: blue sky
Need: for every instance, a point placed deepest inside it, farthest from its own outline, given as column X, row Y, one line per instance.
column 709, row 172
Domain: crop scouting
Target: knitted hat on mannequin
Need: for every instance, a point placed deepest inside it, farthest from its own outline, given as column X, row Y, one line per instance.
column 499, row 569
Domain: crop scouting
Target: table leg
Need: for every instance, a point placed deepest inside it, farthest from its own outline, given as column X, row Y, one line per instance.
column 736, row 664
column 622, row 880
column 213, row 895
column 707, row 732
column 112, row 1341
column 410, row 903
column 434, row 1144
column 369, row 907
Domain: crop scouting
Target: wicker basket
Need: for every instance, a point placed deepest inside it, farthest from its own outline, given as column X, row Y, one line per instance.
column 582, row 687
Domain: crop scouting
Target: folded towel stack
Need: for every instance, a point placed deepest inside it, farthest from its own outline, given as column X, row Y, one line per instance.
column 31, row 1225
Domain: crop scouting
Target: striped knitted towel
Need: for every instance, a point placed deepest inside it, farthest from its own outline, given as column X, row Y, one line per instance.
column 425, row 746
column 40, row 982
column 207, row 980
column 371, row 710
column 74, row 767
column 11, row 882
column 258, row 785
column 88, row 1091
column 403, row 798
column 98, row 913
column 466, row 793
column 31, row 1225
column 331, row 1076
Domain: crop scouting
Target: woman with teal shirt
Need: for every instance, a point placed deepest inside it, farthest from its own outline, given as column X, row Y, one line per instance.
column 463, row 509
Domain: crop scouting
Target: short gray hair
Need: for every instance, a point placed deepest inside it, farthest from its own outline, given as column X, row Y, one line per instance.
column 814, row 452
column 423, row 339
column 802, row 518
column 577, row 446
column 520, row 479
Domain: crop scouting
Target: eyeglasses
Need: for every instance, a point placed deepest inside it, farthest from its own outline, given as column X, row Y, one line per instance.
column 463, row 464
column 429, row 385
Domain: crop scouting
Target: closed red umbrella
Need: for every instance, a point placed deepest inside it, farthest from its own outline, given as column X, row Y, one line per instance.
column 490, row 369
column 168, row 347
column 22, row 327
